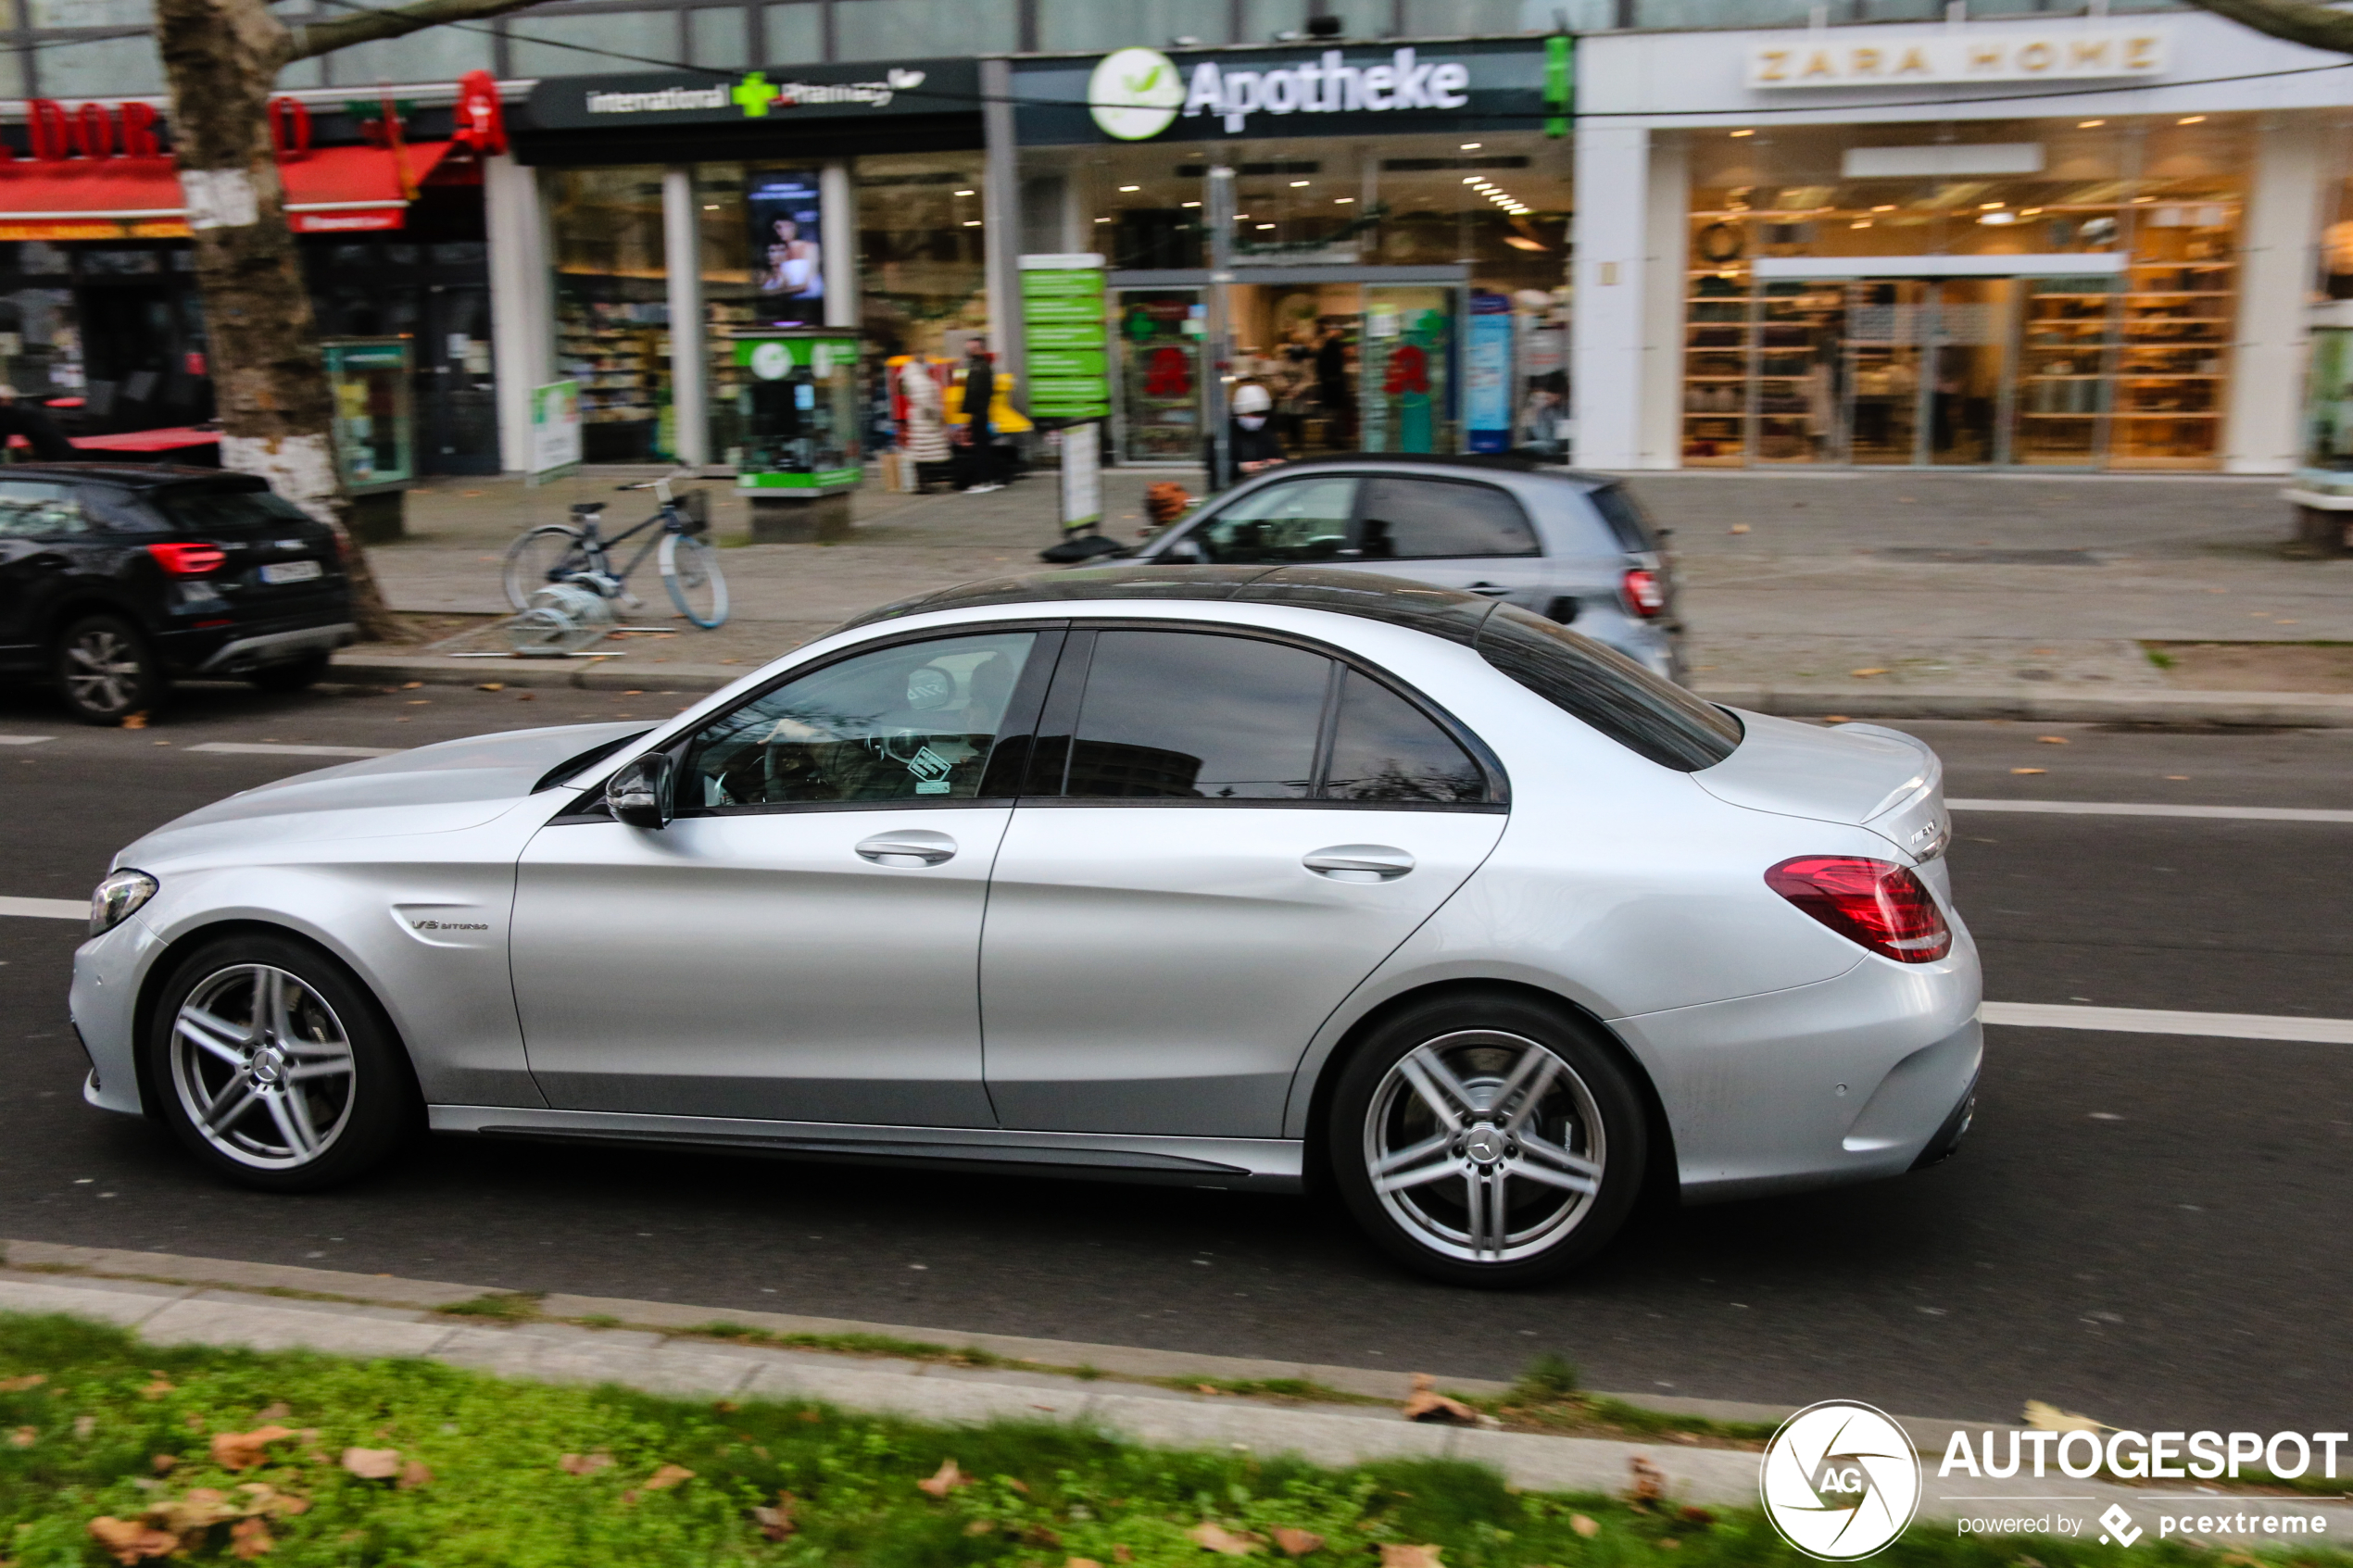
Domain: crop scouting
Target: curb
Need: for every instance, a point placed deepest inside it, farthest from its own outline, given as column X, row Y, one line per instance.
column 171, row 1299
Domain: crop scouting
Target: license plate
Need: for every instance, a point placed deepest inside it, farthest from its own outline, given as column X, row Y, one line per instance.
column 290, row 572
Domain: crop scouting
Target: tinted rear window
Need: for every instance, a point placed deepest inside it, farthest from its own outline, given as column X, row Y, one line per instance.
column 1627, row 523
column 1618, row 696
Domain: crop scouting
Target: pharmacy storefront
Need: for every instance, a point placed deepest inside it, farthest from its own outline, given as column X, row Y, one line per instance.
column 1397, row 243
column 2077, row 250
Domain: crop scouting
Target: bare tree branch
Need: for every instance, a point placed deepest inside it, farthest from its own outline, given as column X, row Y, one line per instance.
column 308, row 38
column 2298, row 21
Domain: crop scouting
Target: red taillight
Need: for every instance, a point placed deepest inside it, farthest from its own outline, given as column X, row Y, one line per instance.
column 188, row 561
column 1645, row 595
column 1876, row 903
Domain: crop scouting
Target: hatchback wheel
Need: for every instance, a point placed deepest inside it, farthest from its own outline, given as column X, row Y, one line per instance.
column 1488, row 1141
column 275, row 1068
column 106, row 669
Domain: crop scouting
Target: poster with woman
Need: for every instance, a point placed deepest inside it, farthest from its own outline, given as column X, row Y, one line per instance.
column 788, row 238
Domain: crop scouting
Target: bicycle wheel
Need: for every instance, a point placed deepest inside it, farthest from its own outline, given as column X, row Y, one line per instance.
column 690, row 570
column 539, row 558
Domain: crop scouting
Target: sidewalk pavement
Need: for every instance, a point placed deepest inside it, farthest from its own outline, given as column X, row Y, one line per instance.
column 181, row 1301
column 1903, row 594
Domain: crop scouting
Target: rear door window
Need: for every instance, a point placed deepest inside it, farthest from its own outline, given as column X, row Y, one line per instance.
column 1195, row 716
column 1405, row 519
column 1300, row 520
column 1386, row 750
column 1627, row 523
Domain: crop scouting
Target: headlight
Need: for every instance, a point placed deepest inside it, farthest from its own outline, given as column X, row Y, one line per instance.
column 117, row 898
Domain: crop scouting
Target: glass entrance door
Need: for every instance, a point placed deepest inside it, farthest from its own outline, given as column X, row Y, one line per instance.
column 1969, row 359
column 1884, row 346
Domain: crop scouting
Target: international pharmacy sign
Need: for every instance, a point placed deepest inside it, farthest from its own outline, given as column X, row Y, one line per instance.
column 1943, row 59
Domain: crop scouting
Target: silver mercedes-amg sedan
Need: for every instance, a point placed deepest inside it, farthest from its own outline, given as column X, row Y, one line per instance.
column 1223, row 876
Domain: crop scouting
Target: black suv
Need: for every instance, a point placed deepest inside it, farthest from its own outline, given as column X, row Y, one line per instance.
column 115, row 578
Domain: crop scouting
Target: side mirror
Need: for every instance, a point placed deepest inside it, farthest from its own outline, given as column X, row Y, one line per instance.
column 1181, row 552
column 639, row 794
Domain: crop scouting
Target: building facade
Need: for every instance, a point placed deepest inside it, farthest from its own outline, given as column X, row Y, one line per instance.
column 1883, row 234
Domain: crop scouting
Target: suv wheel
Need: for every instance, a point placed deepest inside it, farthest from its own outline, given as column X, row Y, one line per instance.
column 106, row 671
column 1487, row 1140
column 276, row 1069
column 298, row 675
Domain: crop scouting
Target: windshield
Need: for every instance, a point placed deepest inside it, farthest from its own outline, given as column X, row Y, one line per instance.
column 1609, row 691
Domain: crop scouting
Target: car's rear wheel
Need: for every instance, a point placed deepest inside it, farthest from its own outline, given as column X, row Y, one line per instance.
column 274, row 1068
column 1487, row 1140
column 107, row 671
column 297, row 675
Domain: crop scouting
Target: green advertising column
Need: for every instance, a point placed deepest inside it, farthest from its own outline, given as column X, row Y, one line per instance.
column 1068, row 371
column 797, row 415
column 376, row 430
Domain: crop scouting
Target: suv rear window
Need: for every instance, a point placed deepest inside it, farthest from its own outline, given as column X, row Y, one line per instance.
column 210, row 510
column 1628, row 524
column 1618, row 696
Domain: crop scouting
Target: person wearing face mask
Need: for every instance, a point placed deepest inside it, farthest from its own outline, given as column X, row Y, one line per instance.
column 1250, row 435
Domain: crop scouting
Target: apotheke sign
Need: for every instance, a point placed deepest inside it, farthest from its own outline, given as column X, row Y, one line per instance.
column 1819, row 59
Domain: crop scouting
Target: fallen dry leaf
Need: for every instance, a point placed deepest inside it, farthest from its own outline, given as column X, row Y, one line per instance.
column 250, row 1538
column 24, row 1437
column 200, row 1510
column 1670, row 1543
column 1873, row 670
column 1740, row 528
column 1836, row 719
column 2030, row 770
column 2050, row 1418
column 944, row 1480
column 412, row 685
column 131, row 1539
column 492, row 686
column 1699, row 1516
column 1649, row 1483
column 585, row 1465
column 157, row 1389
column 1584, row 1525
column 1213, row 1536
column 1081, row 1562
column 373, row 1464
column 1296, row 1543
column 661, row 1480
column 134, row 721
column 981, row 1527
column 1428, row 1404
column 2054, row 740
column 1395, row 1556
column 1121, row 1553
column 19, row 1384
column 85, row 1425
column 243, row 1450
column 269, row 1499
column 278, row 1411
column 778, row 1523
column 525, row 697
column 165, row 1464
column 414, row 1475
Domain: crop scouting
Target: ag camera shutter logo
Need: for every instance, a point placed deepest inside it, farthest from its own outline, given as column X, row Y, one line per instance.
column 1135, row 94
column 1840, row 1481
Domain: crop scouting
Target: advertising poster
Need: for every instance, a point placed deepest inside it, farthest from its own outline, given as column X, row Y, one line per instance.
column 555, row 429
column 788, row 245
column 1487, row 380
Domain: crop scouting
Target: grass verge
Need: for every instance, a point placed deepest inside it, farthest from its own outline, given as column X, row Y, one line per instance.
column 210, row 1455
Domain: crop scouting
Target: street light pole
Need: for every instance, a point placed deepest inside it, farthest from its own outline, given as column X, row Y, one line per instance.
column 1219, row 352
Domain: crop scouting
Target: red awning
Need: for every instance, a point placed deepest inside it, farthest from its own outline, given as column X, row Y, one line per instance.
column 329, row 190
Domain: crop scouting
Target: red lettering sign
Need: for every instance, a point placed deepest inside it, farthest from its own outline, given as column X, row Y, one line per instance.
column 139, row 131
column 52, row 136
column 481, row 125
column 94, row 131
column 290, row 128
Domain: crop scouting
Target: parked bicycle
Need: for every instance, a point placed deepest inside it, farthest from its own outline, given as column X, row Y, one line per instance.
column 578, row 553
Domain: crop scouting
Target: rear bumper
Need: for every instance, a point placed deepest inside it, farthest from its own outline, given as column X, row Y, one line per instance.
column 235, row 651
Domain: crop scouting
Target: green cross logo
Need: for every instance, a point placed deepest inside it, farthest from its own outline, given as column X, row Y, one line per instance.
column 753, row 94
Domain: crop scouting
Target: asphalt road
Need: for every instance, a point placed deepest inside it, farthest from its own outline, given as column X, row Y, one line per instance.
column 2147, row 1228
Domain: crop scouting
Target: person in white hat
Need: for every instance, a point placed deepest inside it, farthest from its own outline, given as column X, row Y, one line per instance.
column 1250, row 435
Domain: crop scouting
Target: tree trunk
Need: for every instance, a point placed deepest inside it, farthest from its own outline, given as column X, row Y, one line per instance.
column 220, row 57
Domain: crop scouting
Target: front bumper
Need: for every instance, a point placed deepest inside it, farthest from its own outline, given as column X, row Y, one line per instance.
column 103, row 1004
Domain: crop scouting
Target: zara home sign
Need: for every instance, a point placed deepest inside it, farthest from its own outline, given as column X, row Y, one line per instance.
column 1818, row 60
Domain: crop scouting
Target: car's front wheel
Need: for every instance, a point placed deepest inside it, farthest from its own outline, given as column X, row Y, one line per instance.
column 274, row 1068
column 1487, row 1140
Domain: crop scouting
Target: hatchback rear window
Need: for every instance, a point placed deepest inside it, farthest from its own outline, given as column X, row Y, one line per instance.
column 209, row 510
column 1627, row 524
column 1618, row 696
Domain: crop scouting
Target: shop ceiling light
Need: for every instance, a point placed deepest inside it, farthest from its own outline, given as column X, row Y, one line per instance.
column 1991, row 207
column 1889, row 206
column 1744, row 132
column 1299, row 184
column 2089, row 124
column 1343, row 201
column 1997, row 219
column 1102, row 219
column 1860, row 223
column 2028, row 211
column 1131, row 187
column 1473, row 146
column 1188, row 204
column 972, row 222
column 1265, row 225
column 2191, row 119
column 963, row 192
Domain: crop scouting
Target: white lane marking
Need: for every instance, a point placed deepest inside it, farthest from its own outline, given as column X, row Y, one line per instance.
column 2121, row 808
column 271, row 748
column 2153, row 1021
column 46, row 908
column 24, row 740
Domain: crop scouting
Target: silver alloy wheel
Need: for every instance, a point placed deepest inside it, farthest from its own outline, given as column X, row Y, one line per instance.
column 1485, row 1146
column 263, row 1067
column 102, row 670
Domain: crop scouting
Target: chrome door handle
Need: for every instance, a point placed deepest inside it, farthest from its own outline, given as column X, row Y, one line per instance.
column 1359, row 862
column 908, row 848
column 1489, row 590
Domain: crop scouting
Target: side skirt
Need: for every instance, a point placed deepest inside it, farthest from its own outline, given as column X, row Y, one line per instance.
column 1264, row 1165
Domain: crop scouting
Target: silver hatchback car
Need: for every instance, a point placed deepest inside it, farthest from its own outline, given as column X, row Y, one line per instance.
column 1224, row 876
column 1574, row 547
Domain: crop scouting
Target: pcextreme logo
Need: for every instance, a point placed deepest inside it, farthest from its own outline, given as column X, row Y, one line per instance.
column 1135, row 94
column 1840, row 1481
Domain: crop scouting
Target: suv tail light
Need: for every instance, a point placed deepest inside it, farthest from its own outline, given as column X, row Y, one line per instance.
column 1876, row 903
column 188, row 561
column 1645, row 595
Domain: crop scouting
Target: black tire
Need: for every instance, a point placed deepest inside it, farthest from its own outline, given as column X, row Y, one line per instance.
column 1525, row 1172
column 298, row 675
column 355, row 1118
column 106, row 669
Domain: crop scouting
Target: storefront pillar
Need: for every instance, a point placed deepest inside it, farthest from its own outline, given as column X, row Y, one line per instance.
column 839, row 193
column 2275, row 280
column 1612, row 232
column 690, row 359
column 1665, row 280
column 523, row 325
column 1001, row 221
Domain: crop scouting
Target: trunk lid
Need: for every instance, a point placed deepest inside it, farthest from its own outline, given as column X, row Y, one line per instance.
column 1856, row 775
